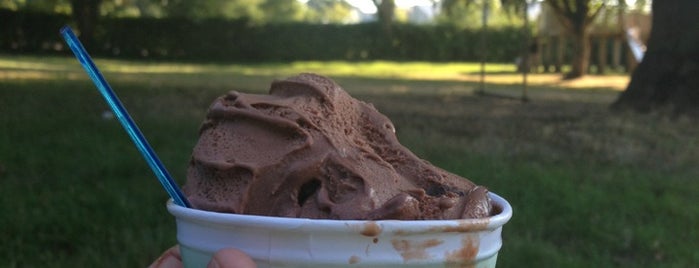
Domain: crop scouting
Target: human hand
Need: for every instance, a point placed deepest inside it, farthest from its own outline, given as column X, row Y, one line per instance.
column 225, row 258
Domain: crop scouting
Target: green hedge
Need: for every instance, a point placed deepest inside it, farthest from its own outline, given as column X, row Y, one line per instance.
column 238, row 40
column 23, row 32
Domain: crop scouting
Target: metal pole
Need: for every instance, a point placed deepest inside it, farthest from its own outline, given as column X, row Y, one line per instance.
column 483, row 48
column 525, row 58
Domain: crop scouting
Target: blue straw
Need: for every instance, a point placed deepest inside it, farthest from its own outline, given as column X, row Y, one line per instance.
column 123, row 116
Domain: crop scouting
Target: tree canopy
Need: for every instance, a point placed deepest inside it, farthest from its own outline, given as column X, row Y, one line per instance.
column 468, row 13
column 257, row 11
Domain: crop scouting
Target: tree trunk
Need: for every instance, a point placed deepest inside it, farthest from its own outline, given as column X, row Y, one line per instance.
column 385, row 12
column 616, row 53
column 602, row 55
column 668, row 75
column 560, row 47
column 577, row 16
column 86, row 15
column 581, row 53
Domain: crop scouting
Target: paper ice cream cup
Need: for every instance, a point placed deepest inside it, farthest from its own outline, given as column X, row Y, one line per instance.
column 295, row 242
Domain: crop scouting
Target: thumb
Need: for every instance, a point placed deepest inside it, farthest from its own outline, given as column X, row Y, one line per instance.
column 169, row 259
column 231, row 258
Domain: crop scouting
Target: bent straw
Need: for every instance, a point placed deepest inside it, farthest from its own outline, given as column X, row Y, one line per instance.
column 123, row 116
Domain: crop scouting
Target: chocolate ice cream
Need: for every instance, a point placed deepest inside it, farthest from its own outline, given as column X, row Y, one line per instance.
column 309, row 150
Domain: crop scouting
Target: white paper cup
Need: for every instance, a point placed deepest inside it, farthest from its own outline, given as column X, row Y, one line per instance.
column 294, row 242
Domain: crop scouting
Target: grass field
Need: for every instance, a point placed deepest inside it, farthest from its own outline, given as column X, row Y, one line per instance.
column 590, row 188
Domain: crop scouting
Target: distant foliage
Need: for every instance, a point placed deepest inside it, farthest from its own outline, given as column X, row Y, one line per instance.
column 469, row 13
column 243, row 40
column 30, row 32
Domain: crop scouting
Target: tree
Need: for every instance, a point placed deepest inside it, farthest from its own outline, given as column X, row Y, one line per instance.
column 577, row 16
column 133, row 8
column 258, row 11
column 385, row 12
column 280, row 11
column 462, row 13
column 469, row 13
column 86, row 14
column 214, row 9
column 46, row 6
column 668, row 75
column 328, row 11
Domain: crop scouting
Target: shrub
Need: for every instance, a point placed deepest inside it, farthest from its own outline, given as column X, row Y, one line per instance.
column 239, row 40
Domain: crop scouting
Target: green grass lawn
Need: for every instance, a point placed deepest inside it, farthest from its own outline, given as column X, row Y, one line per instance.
column 590, row 188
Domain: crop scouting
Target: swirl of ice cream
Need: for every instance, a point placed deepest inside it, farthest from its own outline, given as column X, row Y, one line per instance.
column 309, row 150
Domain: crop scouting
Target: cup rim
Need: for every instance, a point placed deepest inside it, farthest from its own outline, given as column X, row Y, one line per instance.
column 331, row 225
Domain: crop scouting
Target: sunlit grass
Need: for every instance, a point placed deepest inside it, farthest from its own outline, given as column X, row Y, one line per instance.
column 383, row 69
column 42, row 68
column 405, row 70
